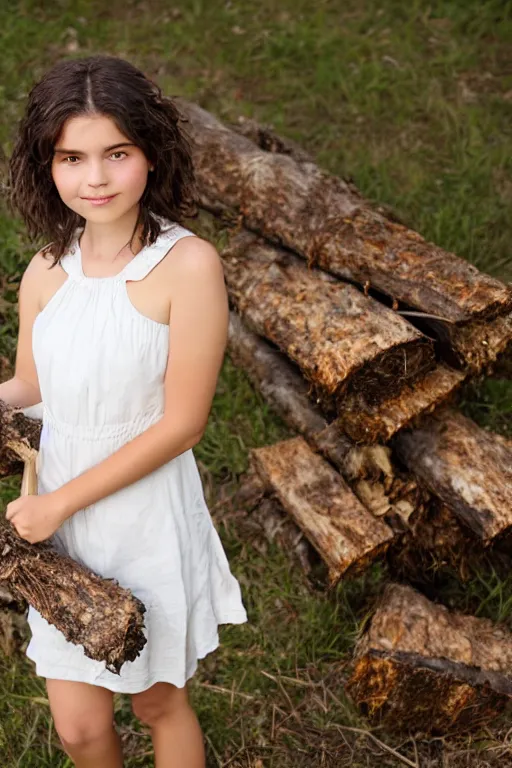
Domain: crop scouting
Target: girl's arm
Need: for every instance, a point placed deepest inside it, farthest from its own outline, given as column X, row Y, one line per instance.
column 199, row 320
column 23, row 389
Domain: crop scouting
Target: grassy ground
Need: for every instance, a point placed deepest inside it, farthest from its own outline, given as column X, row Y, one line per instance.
column 414, row 102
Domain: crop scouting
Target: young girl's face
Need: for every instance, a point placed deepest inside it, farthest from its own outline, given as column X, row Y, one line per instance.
column 99, row 173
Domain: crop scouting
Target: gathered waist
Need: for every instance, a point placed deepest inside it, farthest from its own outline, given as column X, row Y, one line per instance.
column 109, row 431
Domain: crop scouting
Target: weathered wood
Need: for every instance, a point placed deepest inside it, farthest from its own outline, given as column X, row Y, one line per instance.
column 346, row 344
column 103, row 617
column 339, row 527
column 482, row 345
column 467, row 467
column 377, row 423
column 17, row 433
column 319, row 216
column 285, row 389
column 420, row 667
column 433, row 539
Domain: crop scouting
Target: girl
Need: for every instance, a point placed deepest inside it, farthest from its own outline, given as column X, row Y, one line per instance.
column 122, row 331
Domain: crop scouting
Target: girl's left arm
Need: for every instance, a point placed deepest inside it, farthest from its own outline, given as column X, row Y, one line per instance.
column 199, row 319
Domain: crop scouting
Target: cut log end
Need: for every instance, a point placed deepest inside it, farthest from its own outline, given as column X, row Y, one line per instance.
column 103, row 617
column 419, row 666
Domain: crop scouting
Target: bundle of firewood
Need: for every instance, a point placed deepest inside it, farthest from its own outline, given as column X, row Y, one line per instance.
column 362, row 336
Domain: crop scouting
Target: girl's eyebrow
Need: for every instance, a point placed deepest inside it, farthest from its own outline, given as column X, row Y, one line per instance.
column 61, row 151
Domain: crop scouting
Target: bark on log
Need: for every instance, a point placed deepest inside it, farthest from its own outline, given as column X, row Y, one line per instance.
column 103, row 617
column 364, row 423
column 467, row 467
column 286, row 390
column 319, row 216
column 339, row 527
column 265, row 137
column 347, row 345
column 17, row 433
column 482, row 345
column 281, row 384
column 421, row 668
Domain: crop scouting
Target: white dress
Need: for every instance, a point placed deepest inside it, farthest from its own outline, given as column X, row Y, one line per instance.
column 101, row 367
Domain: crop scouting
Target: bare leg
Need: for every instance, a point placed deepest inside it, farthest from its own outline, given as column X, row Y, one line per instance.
column 84, row 719
column 175, row 730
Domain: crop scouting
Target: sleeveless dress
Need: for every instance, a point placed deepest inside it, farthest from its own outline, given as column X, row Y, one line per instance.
column 101, row 367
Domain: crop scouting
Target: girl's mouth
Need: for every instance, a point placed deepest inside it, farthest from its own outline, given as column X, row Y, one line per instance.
column 99, row 200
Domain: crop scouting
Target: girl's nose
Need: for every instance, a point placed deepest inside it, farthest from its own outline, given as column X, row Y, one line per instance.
column 96, row 176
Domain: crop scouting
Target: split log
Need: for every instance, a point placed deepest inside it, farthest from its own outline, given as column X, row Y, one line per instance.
column 377, row 423
column 340, row 528
column 482, row 345
column 287, row 392
column 318, row 215
column 281, row 384
column 423, row 668
column 346, row 344
column 467, row 467
column 106, row 619
column 18, row 433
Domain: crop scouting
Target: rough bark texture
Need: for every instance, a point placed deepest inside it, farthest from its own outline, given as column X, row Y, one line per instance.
column 433, row 537
column 365, row 423
column 468, row 468
column 347, row 345
column 96, row 613
column 421, row 667
column 286, row 390
column 340, row 528
column 17, row 434
column 320, row 217
column 482, row 345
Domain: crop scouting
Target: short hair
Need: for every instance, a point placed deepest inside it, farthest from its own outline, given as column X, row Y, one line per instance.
column 115, row 88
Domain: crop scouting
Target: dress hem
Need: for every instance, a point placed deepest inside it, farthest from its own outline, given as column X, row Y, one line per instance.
column 75, row 674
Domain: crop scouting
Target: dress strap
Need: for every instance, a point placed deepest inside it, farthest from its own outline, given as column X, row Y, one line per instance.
column 142, row 264
column 70, row 261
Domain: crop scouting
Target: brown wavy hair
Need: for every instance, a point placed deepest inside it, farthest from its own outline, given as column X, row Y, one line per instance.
column 112, row 87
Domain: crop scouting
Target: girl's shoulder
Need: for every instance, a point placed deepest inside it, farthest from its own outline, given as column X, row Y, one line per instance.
column 40, row 278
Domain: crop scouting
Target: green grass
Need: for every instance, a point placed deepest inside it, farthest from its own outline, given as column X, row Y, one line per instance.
column 411, row 100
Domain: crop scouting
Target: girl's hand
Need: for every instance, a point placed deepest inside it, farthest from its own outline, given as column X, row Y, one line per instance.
column 35, row 518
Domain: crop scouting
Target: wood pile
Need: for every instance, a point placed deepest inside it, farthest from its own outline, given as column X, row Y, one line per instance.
column 362, row 336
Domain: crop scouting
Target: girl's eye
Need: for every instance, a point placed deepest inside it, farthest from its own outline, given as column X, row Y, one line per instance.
column 118, row 153
column 71, row 157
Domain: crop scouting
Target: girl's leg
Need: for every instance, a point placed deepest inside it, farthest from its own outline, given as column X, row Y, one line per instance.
column 84, row 719
column 175, row 730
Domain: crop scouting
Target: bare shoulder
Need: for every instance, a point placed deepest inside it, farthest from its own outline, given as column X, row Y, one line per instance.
column 195, row 262
column 193, row 252
column 39, row 280
column 38, row 265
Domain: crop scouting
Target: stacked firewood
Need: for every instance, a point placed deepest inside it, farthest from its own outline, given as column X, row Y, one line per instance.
column 362, row 336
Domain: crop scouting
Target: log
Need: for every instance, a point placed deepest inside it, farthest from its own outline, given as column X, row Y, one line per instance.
column 281, row 385
column 340, row 528
column 482, row 346
column 467, row 467
column 287, row 392
column 18, row 433
column 346, row 344
column 378, row 422
column 103, row 617
column 319, row 216
column 420, row 667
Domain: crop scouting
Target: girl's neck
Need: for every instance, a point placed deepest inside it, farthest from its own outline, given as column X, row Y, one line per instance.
column 103, row 242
